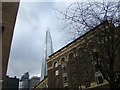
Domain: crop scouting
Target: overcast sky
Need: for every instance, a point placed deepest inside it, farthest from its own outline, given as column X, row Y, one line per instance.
column 33, row 19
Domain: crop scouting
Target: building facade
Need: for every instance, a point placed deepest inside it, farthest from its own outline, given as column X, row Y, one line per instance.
column 33, row 81
column 24, row 82
column 41, row 85
column 11, row 83
column 27, row 83
column 8, row 14
column 73, row 66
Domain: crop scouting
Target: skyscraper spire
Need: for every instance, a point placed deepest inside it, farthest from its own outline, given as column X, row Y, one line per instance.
column 48, row 44
column 48, row 50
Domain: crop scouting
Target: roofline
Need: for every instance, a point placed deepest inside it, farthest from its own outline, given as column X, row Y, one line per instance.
column 39, row 82
column 78, row 38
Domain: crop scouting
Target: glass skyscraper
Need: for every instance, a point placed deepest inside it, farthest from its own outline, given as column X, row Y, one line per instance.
column 48, row 50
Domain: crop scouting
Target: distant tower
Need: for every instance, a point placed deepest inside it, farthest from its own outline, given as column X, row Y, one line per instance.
column 24, row 82
column 48, row 50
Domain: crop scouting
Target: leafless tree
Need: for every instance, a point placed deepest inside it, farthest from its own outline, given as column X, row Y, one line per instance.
column 106, row 53
column 82, row 17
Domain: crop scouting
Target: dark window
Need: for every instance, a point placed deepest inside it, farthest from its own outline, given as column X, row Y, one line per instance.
column 63, row 60
column 103, row 39
column 87, row 84
column 49, row 64
column 64, row 69
column 91, row 45
column 75, row 86
column 84, row 71
column 81, row 50
column 57, row 81
column 71, row 56
column 96, row 67
column 74, row 75
column 64, row 79
column 117, row 75
column 100, row 80
column 3, row 29
column 66, row 87
column 63, row 65
column 73, row 63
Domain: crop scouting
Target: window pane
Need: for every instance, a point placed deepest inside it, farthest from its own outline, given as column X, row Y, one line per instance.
column 63, row 64
column 84, row 71
column 57, row 81
column 74, row 76
column 55, row 64
column 75, row 86
column 64, row 79
column 71, row 56
column 64, row 69
column 87, row 84
column 56, row 72
column 100, row 79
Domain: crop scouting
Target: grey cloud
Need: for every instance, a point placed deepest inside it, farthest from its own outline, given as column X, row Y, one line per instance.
column 28, row 40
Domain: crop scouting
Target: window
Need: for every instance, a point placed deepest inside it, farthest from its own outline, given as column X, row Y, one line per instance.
column 55, row 64
column 56, row 72
column 99, row 80
column 64, row 79
column 2, row 29
column 84, row 71
column 64, row 69
column 75, row 86
column 63, row 62
column 65, row 85
column 117, row 75
column 99, row 77
column 81, row 50
column 103, row 39
column 96, row 67
column 87, row 84
column 57, row 81
column 94, row 49
column 91, row 45
column 74, row 76
column 63, row 65
column 72, row 63
column 71, row 56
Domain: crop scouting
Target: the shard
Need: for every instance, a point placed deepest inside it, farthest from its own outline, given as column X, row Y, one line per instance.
column 48, row 50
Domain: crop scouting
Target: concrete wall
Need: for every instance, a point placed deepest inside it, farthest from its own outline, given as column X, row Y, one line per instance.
column 9, row 13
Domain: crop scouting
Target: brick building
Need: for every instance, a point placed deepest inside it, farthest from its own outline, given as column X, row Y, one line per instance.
column 43, row 84
column 73, row 66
